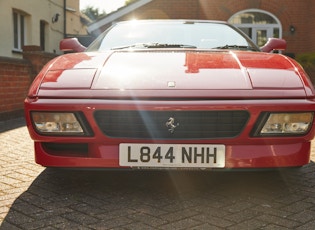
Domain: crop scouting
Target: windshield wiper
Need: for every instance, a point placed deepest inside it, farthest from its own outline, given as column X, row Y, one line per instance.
column 161, row 45
column 236, row 47
column 153, row 45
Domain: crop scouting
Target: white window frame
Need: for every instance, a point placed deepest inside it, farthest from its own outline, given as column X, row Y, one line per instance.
column 19, row 30
column 255, row 27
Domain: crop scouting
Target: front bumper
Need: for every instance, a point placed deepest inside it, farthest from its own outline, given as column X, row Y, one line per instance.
column 101, row 151
column 237, row 156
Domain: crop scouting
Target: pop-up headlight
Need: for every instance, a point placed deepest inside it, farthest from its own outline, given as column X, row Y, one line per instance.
column 278, row 124
column 61, row 123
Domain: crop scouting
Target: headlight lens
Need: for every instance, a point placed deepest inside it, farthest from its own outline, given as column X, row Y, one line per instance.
column 286, row 124
column 57, row 123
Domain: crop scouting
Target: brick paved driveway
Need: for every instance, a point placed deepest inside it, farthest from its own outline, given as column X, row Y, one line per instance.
column 32, row 197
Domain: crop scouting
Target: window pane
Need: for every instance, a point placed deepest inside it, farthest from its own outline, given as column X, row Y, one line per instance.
column 247, row 31
column 22, row 31
column 276, row 33
column 261, row 37
column 253, row 18
column 15, row 30
column 42, row 34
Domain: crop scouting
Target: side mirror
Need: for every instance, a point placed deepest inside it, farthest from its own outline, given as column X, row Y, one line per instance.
column 274, row 44
column 71, row 45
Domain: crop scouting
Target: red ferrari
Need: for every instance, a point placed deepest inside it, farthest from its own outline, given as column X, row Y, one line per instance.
column 172, row 94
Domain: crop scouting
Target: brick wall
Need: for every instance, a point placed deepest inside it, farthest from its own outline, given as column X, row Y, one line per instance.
column 14, row 82
column 37, row 58
column 16, row 75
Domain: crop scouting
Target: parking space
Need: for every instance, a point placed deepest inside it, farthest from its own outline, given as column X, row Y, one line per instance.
column 32, row 197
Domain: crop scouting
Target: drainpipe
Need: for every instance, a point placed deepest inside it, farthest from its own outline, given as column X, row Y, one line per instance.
column 64, row 18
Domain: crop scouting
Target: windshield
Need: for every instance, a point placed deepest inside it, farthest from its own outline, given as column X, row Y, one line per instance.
column 172, row 34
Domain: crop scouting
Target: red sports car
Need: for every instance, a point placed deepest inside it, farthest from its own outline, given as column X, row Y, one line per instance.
column 172, row 94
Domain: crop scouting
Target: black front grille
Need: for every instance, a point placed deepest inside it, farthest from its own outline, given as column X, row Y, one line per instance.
column 189, row 124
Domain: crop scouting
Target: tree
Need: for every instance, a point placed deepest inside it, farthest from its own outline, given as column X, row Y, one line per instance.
column 93, row 13
column 127, row 2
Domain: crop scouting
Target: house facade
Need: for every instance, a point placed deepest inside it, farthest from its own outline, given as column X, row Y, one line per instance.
column 289, row 19
column 37, row 23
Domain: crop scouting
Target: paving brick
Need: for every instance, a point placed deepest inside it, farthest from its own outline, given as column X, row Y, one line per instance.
column 8, row 226
column 18, row 218
column 243, row 215
column 149, row 220
column 296, row 207
column 249, row 225
column 213, row 221
column 205, row 226
column 304, row 216
column 274, row 227
column 80, row 218
column 70, row 225
column 116, row 223
column 115, row 213
column 239, row 206
column 150, row 210
column 308, row 226
column 179, row 214
column 27, row 208
column 186, row 223
column 139, row 226
column 44, row 223
column 276, row 220
column 208, row 210
column 272, row 211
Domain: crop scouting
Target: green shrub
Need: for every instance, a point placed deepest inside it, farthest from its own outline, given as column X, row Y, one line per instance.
column 307, row 60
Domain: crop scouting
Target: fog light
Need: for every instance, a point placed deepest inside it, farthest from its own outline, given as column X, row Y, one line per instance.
column 56, row 122
column 287, row 123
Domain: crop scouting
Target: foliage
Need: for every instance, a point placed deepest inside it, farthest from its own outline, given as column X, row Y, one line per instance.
column 307, row 60
column 93, row 13
column 127, row 2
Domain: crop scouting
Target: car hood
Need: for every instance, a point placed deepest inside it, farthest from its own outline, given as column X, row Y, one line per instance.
column 175, row 73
